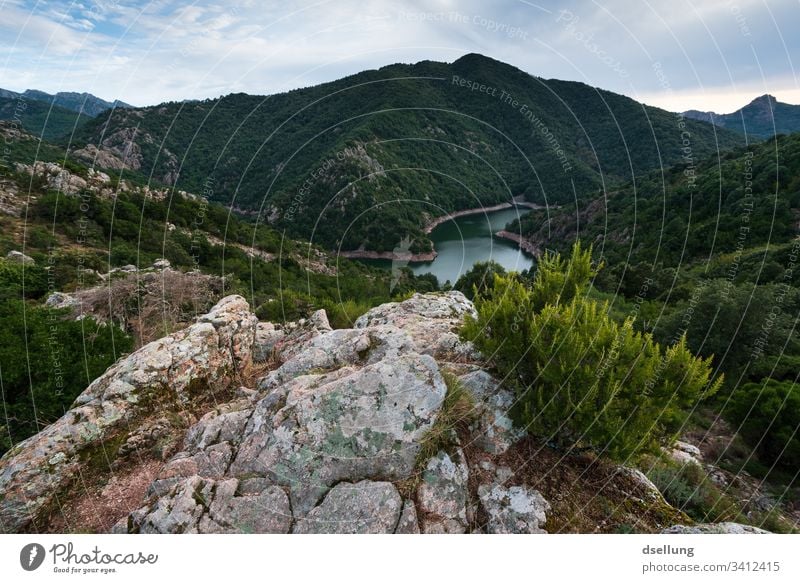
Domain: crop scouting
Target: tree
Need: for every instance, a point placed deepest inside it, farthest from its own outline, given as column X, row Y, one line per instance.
column 479, row 279
column 768, row 415
column 581, row 378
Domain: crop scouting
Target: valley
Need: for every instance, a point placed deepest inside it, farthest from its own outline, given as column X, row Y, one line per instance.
column 494, row 238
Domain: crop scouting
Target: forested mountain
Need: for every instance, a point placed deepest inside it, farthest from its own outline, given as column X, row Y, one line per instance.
column 40, row 118
column 366, row 160
column 84, row 103
column 763, row 117
column 112, row 235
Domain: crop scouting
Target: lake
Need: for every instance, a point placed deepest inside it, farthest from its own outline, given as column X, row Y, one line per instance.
column 466, row 240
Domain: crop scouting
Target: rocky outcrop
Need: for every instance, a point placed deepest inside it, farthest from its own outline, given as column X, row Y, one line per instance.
column 494, row 431
column 334, row 434
column 514, row 509
column 443, row 494
column 715, row 528
column 19, row 257
column 685, row 453
column 431, row 320
column 333, row 428
column 362, row 508
column 61, row 301
column 170, row 370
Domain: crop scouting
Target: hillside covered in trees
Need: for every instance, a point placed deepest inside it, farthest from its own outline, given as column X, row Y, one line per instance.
column 367, row 160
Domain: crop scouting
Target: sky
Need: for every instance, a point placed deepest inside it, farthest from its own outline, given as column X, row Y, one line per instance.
column 683, row 54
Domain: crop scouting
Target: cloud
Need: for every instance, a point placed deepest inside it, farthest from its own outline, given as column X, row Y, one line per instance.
column 148, row 52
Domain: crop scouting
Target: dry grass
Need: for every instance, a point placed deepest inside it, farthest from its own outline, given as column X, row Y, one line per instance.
column 151, row 305
column 457, row 413
column 587, row 494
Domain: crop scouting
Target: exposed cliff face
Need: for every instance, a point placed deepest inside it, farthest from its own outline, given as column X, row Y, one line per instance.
column 336, row 438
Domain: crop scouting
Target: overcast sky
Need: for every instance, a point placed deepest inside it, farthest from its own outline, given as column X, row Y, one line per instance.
column 702, row 54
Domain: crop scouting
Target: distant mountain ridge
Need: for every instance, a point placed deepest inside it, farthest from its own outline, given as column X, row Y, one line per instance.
column 83, row 103
column 763, row 117
column 415, row 141
column 50, row 122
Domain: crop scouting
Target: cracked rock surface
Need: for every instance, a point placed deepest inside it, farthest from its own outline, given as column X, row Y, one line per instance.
column 328, row 441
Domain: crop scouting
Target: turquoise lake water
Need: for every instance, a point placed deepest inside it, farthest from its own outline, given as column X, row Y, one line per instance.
column 463, row 241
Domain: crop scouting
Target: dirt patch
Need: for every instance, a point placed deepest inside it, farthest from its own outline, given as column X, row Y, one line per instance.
column 99, row 506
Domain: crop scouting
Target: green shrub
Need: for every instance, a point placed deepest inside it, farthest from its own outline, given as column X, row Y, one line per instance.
column 344, row 314
column 15, row 277
column 582, row 378
column 768, row 416
column 479, row 279
column 688, row 488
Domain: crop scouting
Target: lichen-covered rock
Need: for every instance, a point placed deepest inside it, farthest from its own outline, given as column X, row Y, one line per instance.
column 349, row 424
column 267, row 338
column 685, row 453
column 714, row 528
column 59, row 300
column 443, row 494
column 201, row 505
column 408, row 523
column 339, row 348
column 320, row 444
column 513, row 510
column 649, row 490
column 431, row 320
column 169, row 370
column 297, row 335
column 494, row 430
column 362, row 508
column 19, row 257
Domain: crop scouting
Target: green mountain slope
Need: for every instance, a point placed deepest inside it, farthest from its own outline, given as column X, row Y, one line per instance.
column 763, row 117
column 750, row 197
column 41, row 119
column 365, row 161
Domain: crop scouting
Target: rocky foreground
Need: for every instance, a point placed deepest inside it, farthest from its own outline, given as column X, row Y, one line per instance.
column 249, row 427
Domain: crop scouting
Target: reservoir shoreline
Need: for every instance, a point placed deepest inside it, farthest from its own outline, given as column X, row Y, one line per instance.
column 430, row 226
